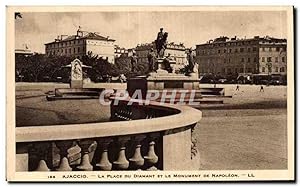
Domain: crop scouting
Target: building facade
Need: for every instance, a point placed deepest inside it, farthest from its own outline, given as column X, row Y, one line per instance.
column 176, row 51
column 120, row 51
column 83, row 43
column 258, row 55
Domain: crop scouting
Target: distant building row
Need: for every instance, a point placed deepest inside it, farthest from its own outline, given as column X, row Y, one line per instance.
column 258, row 55
column 176, row 51
column 221, row 56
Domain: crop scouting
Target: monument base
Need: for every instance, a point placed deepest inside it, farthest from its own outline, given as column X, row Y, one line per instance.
column 160, row 81
column 76, row 84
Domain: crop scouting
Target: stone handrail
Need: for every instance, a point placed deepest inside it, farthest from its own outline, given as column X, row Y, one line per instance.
column 148, row 135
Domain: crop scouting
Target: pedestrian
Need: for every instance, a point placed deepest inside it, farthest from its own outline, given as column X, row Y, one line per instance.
column 261, row 88
column 237, row 88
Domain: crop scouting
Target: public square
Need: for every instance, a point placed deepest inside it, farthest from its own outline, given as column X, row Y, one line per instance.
column 248, row 131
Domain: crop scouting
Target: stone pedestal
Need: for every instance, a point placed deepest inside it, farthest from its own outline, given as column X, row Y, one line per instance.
column 160, row 81
column 76, row 84
column 76, row 74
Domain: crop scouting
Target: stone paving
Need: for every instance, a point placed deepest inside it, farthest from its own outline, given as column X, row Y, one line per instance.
column 248, row 132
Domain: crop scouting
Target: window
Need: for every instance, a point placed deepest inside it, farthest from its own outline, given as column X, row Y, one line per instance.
column 282, row 69
column 254, row 49
column 283, row 59
column 219, row 51
column 236, row 50
column 70, row 50
column 229, row 60
column 241, row 70
column 229, row 70
column 74, row 51
column 223, row 70
column 270, row 48
column 249, row 49
column 241, row 50
column 66, row 51
column 242, row 59
column 224, row 60
column 263, row 69
column 263, row 59
column 263, row 49
column 224, row 50
column 269, row 59
column 248, row 59
column 230, row 50
column 276, row 69
column 254, row 60
column 277, row 48
column 78, row 49
column 249, row 70
column 276, row 59
column 236, row 70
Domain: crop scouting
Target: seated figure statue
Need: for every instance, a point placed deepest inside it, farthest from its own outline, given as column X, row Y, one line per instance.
column 167, row 64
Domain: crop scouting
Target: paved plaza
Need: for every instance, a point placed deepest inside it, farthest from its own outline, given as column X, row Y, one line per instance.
column 249, row 131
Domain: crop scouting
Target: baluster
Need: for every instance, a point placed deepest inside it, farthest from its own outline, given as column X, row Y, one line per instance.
column 122, row 163
column 42, row 148
column 137, row 161
column 85, row 164
column 104, row 163
column 151, row 157
column 63, row 146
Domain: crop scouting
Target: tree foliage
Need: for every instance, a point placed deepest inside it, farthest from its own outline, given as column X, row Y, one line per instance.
column 41, row 68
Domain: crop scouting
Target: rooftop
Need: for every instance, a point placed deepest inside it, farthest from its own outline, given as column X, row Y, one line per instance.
column 225, row 39
column 170, row 45
column 88, row 35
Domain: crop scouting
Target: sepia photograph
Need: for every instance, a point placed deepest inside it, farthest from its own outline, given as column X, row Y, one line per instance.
column 150, row 93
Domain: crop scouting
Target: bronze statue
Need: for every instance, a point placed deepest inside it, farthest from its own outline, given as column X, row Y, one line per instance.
column 161, row 43
column 133, row 62
column 151, row 60
column 166, row 63
column 190, row 58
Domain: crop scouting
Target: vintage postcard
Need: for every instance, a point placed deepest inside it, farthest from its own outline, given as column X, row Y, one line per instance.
column 150, row 93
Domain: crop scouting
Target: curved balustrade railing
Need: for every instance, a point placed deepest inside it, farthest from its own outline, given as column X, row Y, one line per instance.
column 139, row 136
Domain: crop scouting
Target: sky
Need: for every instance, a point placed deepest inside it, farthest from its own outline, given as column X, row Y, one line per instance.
column 132, row 28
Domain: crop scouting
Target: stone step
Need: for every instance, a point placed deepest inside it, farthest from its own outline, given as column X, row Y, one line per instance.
column 201, row 101
column 55, row 97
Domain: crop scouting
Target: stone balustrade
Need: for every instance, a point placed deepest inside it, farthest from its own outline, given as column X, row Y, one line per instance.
column 139, row 137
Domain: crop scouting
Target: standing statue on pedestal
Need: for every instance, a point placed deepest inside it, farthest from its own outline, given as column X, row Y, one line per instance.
column 152, row 60
column 191, row 61
column 161, row 43
column 133, row 62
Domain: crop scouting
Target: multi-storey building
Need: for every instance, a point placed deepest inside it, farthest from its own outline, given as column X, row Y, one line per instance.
column 258, row 55
column 24, row 51
column 83, row 43
column 120, row 51
column 176, row 51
